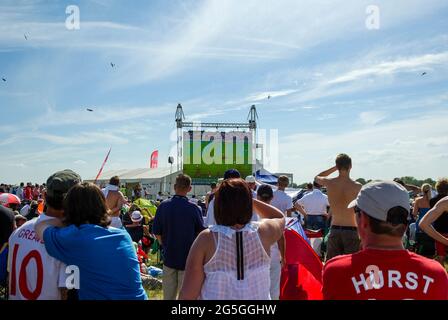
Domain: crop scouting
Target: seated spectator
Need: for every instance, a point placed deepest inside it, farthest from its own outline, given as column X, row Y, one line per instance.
column 107, row 262
column 135, row 228
column 383, row 269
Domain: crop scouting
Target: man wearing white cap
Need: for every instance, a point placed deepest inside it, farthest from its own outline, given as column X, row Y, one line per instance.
column 252, row 184
column 383, row 269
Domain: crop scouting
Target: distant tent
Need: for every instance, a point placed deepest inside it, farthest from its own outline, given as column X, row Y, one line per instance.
column 266, row 177
column 301, row 278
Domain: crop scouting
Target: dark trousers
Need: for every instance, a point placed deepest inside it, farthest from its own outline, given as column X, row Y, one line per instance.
column 342, row 240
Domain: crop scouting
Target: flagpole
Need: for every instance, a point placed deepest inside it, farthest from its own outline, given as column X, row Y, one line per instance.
column 104, row 163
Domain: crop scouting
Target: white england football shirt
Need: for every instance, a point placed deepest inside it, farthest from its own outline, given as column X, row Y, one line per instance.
column 33, row 273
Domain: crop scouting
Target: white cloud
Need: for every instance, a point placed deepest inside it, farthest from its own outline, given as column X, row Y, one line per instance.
column 80, row 162
column 371, row 117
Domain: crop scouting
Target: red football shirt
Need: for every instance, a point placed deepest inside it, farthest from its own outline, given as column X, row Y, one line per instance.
column 384, row 275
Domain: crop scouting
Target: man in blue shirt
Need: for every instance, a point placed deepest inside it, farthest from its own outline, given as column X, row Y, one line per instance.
column 176, row 225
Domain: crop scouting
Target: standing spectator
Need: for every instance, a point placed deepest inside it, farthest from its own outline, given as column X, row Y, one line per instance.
column 20, row 190
column 114, row 201
column 282, row 200
column 252, row 184
column 133, row 223
column 108, row 265
column 440, row 209
column 47, row 277
column 343, row 237
column 28, row 193
column 440, row 222
column 230, row 260
column 315, row 205
column 159, row 196
column 383, row 269
column 278, row 250
column 176, row 225
column 209, row 196
column 7, row 226
column 36, row 192
column 421, row 207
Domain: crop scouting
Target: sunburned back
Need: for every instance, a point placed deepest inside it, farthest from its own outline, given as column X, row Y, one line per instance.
column 114, row 202
column 341, row 191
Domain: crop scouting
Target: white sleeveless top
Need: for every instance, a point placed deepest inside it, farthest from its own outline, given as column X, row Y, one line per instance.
column 228, row 277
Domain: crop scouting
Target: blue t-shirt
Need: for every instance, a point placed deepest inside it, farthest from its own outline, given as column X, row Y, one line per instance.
column 106, row 258
column 178, row 222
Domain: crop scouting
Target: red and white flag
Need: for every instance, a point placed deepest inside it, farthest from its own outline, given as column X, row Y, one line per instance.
column 102, row 167
column 154, row 159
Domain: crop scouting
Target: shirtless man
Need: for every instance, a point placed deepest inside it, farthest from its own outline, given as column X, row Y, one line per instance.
column 114, row 200
column 343, row 237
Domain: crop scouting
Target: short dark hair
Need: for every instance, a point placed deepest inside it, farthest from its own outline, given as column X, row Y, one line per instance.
column 115, row 181
column 86, row 204
column 343, row 162
column 233, row 203
column 283, row 181
column 316, row 185
column 183, row 182
column 309, row 186
column 395, row 226
column 265, row 193
column 213, row 185
column 55, row 202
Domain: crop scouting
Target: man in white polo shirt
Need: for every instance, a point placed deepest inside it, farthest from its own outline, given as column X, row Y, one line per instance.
column 315, row 204
column 282, row 200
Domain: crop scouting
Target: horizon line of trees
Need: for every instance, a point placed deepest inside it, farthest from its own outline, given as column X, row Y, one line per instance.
column 407, row 180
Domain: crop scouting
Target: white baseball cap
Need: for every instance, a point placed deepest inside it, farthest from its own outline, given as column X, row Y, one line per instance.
column 250, row 179
column 136, row 216
column 377, row 198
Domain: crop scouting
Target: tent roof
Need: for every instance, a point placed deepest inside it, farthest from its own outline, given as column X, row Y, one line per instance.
column 136, row 174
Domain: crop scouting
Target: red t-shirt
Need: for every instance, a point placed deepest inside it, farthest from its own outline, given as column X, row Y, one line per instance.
column 384, row 275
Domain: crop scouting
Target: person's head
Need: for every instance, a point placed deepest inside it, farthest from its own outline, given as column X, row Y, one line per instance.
column 232, row 174
column 58, row 185
column 316, row 185
column 233, row 203
column 182, row 185
column 136, row 216
column 427, row 191
column 160, row 193
column 250, row 180
column 265, row 193
column 282, row 182
column 382, row 209
column 22, row 184
column 442, row 186
column 115, row 181
column 309, row 186
column 86, row 204
column 343, row 162
column 213, row 186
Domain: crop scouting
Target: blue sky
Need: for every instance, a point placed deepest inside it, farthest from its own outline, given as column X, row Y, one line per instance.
column 335, row 85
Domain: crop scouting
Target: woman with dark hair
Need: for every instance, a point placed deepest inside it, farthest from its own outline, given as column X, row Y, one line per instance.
column 105, row 257
column 231, row 259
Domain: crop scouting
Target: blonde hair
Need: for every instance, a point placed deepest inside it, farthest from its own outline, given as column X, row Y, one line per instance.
column 426, row 190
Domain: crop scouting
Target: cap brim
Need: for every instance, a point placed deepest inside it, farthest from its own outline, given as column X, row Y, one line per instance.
column 352, row 204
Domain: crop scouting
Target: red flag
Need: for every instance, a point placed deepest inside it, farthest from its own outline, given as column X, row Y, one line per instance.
column 301, row 278
column 104, row 163
column 154, row 159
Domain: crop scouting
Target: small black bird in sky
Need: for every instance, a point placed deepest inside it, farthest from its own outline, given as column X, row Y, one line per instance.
column 4, row 79
column 424, row 73
column 112, row 64
column 24, row 35
column 269, row 97
column 90, row 110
